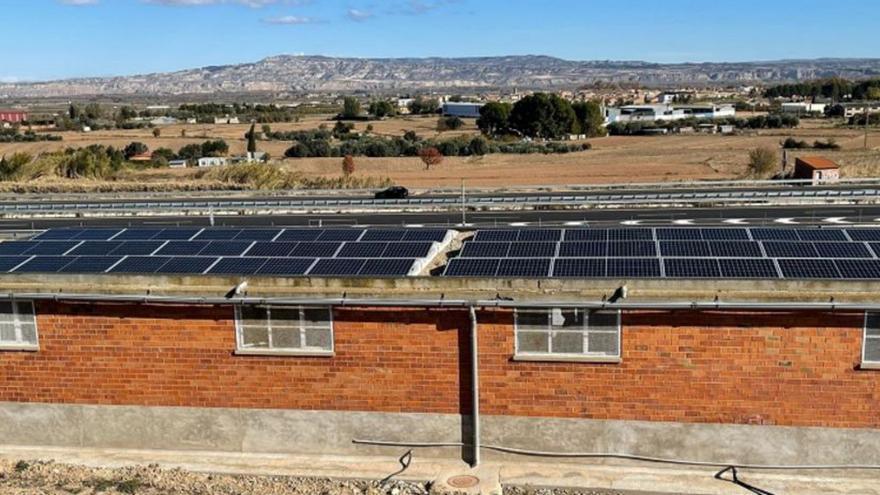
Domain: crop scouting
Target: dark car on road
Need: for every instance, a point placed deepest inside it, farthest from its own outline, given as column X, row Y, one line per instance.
column 393, row 192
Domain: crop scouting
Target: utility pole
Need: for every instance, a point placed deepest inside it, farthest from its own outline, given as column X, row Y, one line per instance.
column 463, row 205
column 867, row 118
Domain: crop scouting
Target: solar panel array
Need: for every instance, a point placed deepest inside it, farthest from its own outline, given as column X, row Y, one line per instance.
column 222, row 251
column 674, row 252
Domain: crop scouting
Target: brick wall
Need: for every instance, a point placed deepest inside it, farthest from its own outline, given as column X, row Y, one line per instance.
column 797, row 369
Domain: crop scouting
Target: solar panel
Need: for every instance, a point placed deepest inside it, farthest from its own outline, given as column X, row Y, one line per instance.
column 316, row 249
column 532, row 250
column 177, row 234
column 408, row 250
column 859, row 269
column 137, row 248
column 630, row 235
column 362, row 250
column 472, row 267
column 808, row 268
column 225, row 248
column 821, row 235
column 691, row 268
column 44, row 264
column 764, row 234
column 95, row 234
column 271, row 249
column 583, row 249
column 679, row 234
column 50, row 248
column 7, row 263
column 790, row 249
column 182, row 248
column 496, row 235
column 337, row 267
column 137, row 234
column 586, row 235
column 238, row 266
column 217, row 234
column 341, row 235
column 386, row 235
column 632, row 249
column 735, row 249
column 725, row 234
column 747, row 268
column 307, row 235
column 189, row 265
column 90, row 264
column 257, row 234
column 580, row 268
column 485, row 250
column 864, row 234
column 524, row 267
column 842, row 250
column 16, row 247
column 286, row 266
column 95, row 248
column 140, row 264
column 424, row 235
column 58, row 234
column 684, row 248
column 633, row 267
column 540, row 235
column 388, row 268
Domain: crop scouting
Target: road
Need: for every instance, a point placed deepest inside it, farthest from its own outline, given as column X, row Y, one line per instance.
column 730, row 216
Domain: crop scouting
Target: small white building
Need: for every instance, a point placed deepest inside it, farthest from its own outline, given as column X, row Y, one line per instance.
column 803, row 107
column 177, row 164
column 859, row 108
column 462, row 109
column 212, row 161
column 226, row 120
column 164, row 121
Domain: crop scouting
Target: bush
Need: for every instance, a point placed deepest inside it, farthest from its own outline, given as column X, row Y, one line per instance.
column 762, row 162
column 826, row 145
column 449, row 124
column 792, row 143
column 479, row 146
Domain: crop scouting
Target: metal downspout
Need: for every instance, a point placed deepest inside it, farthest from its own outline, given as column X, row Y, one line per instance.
column 475, row 389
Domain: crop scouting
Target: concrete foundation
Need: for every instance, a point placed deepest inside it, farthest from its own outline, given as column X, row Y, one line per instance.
column 331, row 433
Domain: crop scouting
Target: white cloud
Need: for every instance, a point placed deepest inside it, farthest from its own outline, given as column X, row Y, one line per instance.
column 290, row 20
column 358, row 15
column 249, row 3
column 79, row 2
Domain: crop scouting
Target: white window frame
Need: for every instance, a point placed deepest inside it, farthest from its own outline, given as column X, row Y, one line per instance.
column 586, row 357
column 284, row 351
column 867, row 364
column 19, row 344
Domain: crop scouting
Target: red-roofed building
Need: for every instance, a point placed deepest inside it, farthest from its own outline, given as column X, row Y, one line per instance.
column 13, row 116
column 816, row 168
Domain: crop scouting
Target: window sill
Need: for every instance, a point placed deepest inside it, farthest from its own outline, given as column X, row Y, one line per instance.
column 869, row 366
column 291, row 353
column 19, row 348
column 549, row 358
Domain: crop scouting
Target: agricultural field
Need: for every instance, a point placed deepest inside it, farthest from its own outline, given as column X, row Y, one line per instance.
column 612, row 159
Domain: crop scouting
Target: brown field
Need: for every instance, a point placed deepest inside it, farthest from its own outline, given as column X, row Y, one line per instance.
column 612, row 159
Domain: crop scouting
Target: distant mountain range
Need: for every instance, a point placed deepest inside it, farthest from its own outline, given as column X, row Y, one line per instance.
column 287, row 73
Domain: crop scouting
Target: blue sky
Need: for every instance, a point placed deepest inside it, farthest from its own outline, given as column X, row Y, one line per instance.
column 71, row 38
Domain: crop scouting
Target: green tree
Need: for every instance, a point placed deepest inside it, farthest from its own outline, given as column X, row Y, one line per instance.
column 449, row 124
column 135, row 148
column 73, row 112
column 543, row 115
column 478, row 146
column 215, row 148
column 351, row 108
column 190, row 152
column 494, row 117
column 252, row 139
column 381, row 109
column 590, row 119
column 422, row 106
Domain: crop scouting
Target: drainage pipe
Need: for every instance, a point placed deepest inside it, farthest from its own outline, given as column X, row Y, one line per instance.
column 475, row 387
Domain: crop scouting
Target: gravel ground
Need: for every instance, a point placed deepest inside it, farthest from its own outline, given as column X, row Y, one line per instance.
column 50, row 478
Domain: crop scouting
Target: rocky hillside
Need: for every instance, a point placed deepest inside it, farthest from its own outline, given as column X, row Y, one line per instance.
column 315, row 73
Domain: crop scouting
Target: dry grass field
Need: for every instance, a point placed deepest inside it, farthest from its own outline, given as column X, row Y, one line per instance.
column 612, row 159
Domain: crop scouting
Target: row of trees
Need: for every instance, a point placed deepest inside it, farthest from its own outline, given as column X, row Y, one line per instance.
column 542, row 115
column 835, row 88
column 771, row 121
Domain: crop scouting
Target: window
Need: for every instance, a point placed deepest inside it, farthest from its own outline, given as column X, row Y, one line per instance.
column 18, row 326
column 567, row 334
column 871, row 342
column 288, row 330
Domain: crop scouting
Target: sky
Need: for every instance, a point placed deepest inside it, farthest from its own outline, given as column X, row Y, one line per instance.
column 53, row 39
